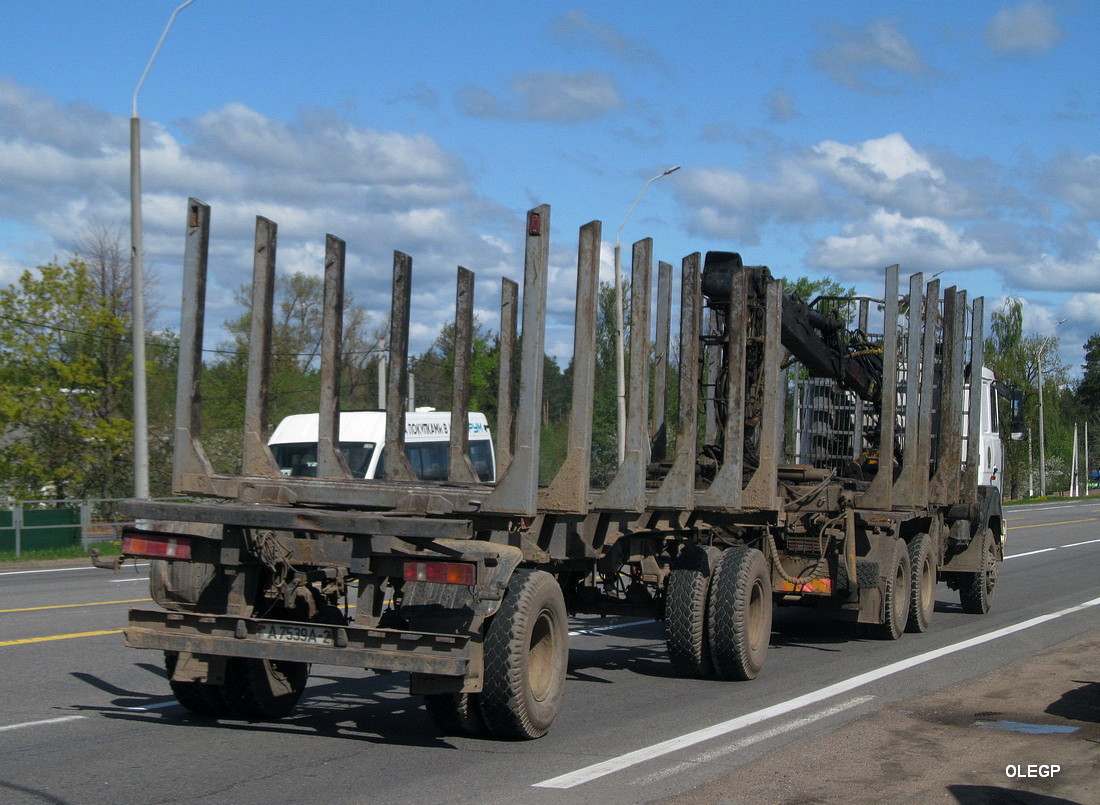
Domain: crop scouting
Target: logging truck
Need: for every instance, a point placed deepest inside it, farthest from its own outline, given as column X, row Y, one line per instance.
column 838, row 453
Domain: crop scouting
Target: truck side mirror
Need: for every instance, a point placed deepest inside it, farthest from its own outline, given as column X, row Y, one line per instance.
column 1016, row 410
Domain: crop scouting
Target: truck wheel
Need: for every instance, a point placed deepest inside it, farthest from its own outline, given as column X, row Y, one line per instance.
column 686, row 610
column 526, row 656
column 895, row 595
column 976, row 590
column 264, row 689
column 922, row 589
column 198, row 697
column 739, row 623
column 456, row 713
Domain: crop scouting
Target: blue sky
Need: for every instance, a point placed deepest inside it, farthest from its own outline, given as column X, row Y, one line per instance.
column 821, row 139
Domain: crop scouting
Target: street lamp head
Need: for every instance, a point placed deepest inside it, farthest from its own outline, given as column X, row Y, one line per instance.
column 671, row 170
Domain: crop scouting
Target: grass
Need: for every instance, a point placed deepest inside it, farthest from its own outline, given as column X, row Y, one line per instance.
column 1049, row 499
column 71, row 552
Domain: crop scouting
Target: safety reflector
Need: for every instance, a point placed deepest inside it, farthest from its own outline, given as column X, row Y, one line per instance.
column 441, row 572
column 812, row 587
column 156, row 546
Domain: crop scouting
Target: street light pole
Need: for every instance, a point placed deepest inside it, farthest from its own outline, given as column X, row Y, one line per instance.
column 137, row 282
column 1042, row 430
column 620, row 359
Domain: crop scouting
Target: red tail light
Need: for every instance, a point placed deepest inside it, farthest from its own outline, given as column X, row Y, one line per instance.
column 156, row 546
column 441, row 572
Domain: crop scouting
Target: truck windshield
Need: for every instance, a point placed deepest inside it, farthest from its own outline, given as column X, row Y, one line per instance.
column 300, row 459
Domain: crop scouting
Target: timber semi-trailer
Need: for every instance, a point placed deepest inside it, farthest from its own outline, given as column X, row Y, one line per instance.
column 810, row 462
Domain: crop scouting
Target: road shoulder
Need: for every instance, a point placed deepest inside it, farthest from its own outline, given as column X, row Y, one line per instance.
column 931, row 748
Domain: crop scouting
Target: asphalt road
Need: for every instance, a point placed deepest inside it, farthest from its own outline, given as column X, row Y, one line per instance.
column 85, row 720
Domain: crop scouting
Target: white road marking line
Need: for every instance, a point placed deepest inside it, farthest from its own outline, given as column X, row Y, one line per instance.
column 158, row 706
column 59, row 570
column 1075, row 544
column 40, row 723
column 736, row 746
column 1030, row 553
column 597, row 770
column 596, row 629
column 119, row 581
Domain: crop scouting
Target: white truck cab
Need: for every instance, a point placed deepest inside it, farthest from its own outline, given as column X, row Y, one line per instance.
column 363, row 438
column 991, row 458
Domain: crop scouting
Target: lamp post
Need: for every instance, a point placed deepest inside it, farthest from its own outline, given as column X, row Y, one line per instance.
column 1042, row 429
column 620, row 360
column 137, row 281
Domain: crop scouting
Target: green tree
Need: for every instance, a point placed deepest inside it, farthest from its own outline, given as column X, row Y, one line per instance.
column 295, row 382
column 63, row 377
column 1015, row 359
column 1087, row 398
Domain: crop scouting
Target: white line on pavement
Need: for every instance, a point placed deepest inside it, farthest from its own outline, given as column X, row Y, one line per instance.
column 596, row 629
column 158, row 706
column 1030, row 553
column 58, row 570
column 40, row 723
column 1086, row 542
column 788, row 726
column 597, row 770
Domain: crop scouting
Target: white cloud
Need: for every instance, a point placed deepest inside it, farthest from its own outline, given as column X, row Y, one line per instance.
column 917, row 244
column 1075, row 179
column 1029, row 29
column 857, row 55
column 1051, row 273
column 578, row 31
column 547, row 97
column 729, row 204
column 780, row 106
column 378, row 190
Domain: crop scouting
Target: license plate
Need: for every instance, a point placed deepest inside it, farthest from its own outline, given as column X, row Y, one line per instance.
column 294, row 633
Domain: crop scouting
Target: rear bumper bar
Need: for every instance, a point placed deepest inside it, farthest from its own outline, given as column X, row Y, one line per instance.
column 357, row 647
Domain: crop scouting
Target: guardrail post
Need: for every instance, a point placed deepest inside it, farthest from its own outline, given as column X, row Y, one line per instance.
column 17, row 526
column 85, row 523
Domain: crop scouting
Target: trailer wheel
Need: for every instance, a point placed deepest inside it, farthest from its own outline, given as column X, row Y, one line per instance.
column 526, row 656
column 686, row 610
column 264, row 689
column 739, row 622
column 976, row 589
column 456, row 713
column 896, row 595
column 198, row 697
column 922, row 589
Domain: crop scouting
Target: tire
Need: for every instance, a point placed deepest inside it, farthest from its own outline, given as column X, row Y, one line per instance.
column 264, row 689
column 895, row 595
column 198, row 697
column 686, row 611
column 922, row 588
column 526, row 657
column 456, row 713
column 976, row 589
column 739, row 614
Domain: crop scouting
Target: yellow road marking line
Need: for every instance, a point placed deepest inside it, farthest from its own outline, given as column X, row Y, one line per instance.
column 1044, row 525
column 57, row 637
column 89, row 604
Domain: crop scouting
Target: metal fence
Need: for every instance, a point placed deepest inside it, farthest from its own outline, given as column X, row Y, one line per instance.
column 27, row 525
